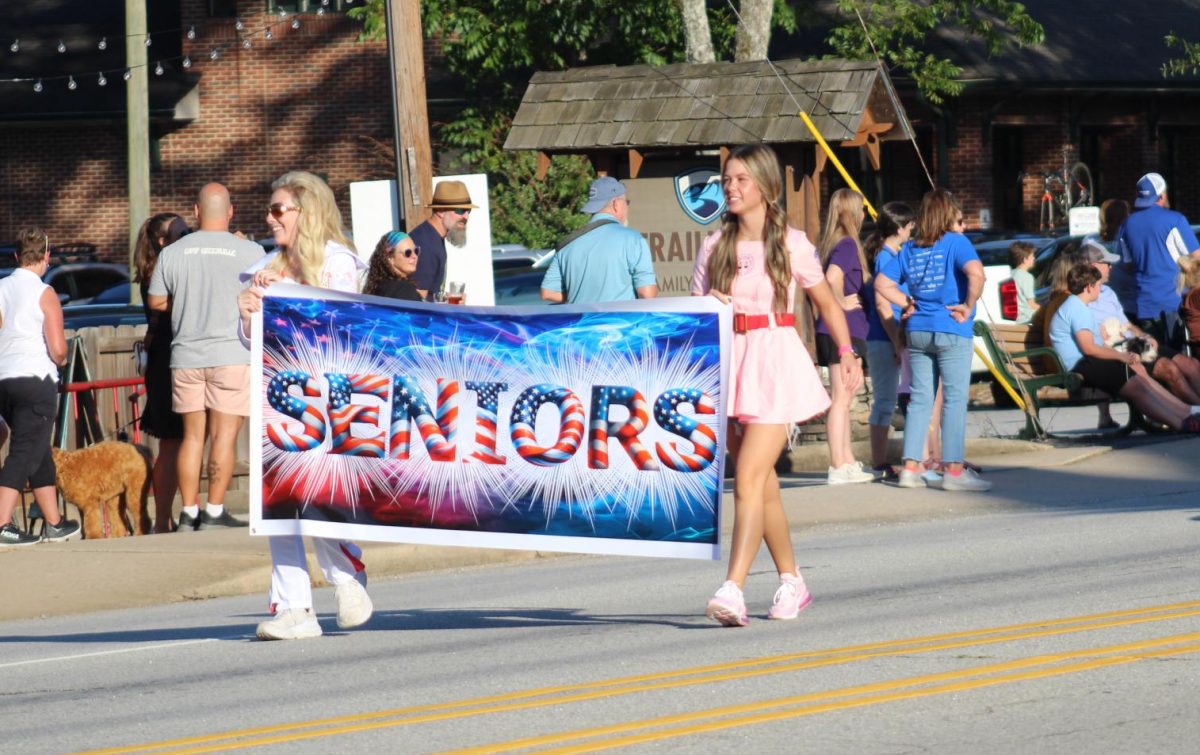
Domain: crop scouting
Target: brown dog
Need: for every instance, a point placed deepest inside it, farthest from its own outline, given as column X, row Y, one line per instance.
column 96, row 477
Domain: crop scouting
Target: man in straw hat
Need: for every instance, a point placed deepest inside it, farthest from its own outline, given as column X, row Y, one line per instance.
column 451, row 207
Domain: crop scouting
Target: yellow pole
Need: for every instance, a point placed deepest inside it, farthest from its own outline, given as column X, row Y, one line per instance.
column 812, row 127
column 1000, row 379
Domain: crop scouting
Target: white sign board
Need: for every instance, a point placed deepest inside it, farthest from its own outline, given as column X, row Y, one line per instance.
column 372, row 213
column 1084, row 220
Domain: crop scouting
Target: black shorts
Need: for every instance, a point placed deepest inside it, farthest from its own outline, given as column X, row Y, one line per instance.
column 827, row 350
column 1108, row 375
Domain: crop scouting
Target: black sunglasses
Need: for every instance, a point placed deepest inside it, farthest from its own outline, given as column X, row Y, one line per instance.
column 414, row 252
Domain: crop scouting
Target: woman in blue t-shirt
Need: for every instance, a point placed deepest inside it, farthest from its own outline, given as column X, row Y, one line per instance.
column 885, row 333
column 944, row 278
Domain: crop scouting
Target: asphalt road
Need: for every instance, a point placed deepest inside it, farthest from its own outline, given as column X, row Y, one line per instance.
column 1068, row 622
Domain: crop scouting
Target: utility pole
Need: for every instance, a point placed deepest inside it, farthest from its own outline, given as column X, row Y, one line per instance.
column 137, row 108
column 410, row 113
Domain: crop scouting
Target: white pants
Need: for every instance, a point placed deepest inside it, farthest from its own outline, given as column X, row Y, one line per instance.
column 290, row 586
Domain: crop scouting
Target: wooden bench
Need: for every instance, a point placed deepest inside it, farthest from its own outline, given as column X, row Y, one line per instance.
column 1028, row 365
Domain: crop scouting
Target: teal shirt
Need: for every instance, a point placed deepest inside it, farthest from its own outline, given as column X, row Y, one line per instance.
column 608, row 263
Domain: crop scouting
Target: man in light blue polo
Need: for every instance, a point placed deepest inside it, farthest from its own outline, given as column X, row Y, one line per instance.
column 603, row 261
column 1151, row 240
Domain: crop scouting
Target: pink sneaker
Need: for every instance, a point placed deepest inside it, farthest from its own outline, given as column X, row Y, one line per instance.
column 728, row 607
column 791, row 598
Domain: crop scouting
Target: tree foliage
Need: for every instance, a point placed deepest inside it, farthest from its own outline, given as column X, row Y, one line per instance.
column 1188, row 62
column 494, row 46
column 898, row 29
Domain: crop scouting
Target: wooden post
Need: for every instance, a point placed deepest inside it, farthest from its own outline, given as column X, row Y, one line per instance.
column 137, row 117
column 410, row 113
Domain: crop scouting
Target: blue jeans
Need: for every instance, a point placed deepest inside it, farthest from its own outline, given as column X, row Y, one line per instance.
column 935, row 356
column 885, row 379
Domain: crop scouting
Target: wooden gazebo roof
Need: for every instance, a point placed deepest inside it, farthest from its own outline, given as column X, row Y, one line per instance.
column 587, row 110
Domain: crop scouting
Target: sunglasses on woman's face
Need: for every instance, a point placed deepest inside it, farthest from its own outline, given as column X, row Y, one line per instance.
column 415, row 251
column 279, row 209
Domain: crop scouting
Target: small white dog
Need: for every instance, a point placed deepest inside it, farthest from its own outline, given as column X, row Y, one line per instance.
column 1114, row 336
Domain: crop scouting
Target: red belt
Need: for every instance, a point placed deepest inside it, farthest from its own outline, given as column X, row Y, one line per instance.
column 743, row 322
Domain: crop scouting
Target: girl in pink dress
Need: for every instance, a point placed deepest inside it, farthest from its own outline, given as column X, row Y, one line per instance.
column 754, row 262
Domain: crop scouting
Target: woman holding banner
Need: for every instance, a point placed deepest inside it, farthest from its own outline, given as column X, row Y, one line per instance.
column 755, row 262
column 315, row 251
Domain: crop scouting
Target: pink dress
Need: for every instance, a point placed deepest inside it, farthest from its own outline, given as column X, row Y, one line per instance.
column 772, row 377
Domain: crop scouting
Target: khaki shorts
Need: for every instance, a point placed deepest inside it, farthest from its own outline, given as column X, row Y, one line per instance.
column 225, row 389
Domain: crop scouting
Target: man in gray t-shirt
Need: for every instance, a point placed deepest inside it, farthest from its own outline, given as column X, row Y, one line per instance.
column 196, row 278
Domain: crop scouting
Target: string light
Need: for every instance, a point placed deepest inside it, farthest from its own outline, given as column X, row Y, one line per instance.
column 185, row 62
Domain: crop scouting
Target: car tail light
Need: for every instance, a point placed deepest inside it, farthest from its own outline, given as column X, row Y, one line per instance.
column 1008, row 299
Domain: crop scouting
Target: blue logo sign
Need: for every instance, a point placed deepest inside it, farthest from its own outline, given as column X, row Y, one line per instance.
column 700, row 195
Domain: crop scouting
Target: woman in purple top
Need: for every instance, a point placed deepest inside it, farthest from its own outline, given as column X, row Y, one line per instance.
column 847, row 272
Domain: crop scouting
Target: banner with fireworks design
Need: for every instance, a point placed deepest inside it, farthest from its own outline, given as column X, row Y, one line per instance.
column 590, row 429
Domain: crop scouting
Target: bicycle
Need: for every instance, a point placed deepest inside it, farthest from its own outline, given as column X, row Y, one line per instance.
column 1062, row 190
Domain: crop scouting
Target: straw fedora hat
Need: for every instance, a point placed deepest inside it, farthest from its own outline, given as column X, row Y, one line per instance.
column 451, row 195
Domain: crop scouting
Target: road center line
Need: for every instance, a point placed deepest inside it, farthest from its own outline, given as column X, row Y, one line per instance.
column 117, row 651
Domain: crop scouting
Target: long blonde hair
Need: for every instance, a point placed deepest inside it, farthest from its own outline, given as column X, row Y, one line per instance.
column 1189, row 272
column 763, row 167
column 320, row 222
column 844, row 220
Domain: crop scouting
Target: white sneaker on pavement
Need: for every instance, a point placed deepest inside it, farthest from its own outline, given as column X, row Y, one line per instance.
column 354, row 607
column 910, row 479
column 292, row 624
column 849, row 473
column 967, row 482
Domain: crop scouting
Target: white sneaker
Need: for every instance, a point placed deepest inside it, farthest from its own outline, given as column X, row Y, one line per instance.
column 848, row 474
column 354, row 606
column 967, row 482
column 292, row 624
column 910, row 479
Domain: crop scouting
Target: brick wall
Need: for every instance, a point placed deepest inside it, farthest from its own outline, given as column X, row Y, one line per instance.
column 311, row 98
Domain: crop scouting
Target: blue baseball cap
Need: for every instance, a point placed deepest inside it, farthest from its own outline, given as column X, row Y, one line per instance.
column 602, row 191
column 1149, row 188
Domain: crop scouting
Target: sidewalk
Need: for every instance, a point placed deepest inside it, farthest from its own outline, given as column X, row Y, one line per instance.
column 83, row 576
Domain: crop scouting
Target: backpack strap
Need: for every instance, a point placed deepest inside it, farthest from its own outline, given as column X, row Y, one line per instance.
column 578, row 232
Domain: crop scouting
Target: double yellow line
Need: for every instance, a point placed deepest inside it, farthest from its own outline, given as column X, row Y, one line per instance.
column 751, row 713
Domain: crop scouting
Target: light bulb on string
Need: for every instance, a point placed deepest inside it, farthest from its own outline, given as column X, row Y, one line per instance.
column 158, row 69
column 191, row 33
column 296, row 22
column 103, row 45
column 187, row 62
column 102, row 81
column 127, row 75
column 246, row 43
column 268, row 34
column 38, row 86
column 71, row 83
column 321, row 11
column 62, row 47
column 214, row 54
column 15, row 46
column 147, row 40
column 239, row 25
column 283, row 12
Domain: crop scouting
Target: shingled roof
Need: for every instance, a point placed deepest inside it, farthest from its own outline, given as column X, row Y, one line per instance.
column 702, row 105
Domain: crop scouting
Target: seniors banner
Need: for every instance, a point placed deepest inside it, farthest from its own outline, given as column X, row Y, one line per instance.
column 591, row 429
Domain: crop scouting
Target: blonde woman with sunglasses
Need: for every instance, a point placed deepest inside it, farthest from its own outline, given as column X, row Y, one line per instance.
column 315, row 251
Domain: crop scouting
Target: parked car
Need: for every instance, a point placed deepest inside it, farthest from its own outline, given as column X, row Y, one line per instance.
column 78, row 282
column 518, row 285
column 994, row 256
column 517, row 256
